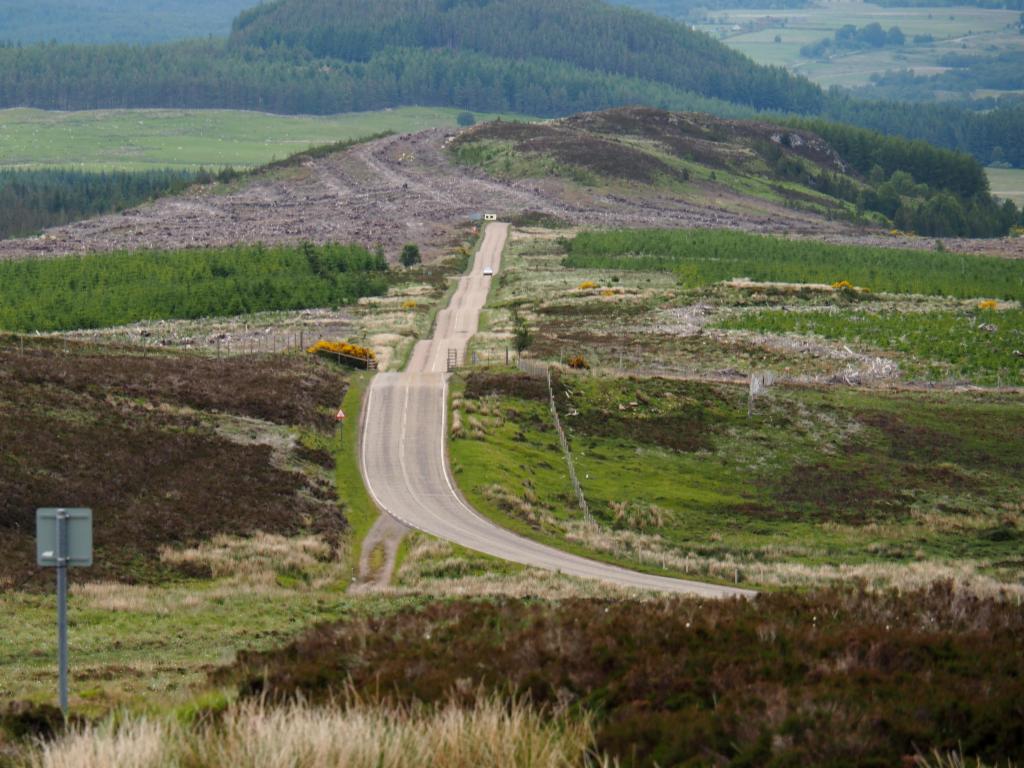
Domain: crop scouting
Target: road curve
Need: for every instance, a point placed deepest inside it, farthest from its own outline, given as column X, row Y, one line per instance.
column 404, row 454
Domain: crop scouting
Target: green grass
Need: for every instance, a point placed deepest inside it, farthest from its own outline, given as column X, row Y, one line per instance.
column 1007, row 183
column 982, row 346
column 524, row 458
column 360, row 511
column 146, row 139
column 101, row 290
column 702, row 257
column 678, row 476
column 159, row 652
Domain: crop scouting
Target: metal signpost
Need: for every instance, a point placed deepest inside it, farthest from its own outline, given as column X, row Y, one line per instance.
column 63, row 540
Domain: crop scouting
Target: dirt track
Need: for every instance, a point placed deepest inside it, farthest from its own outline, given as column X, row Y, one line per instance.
column 405, row 189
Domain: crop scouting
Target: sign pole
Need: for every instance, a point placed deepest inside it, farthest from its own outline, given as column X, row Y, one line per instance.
column 62, row 608
column 63, row 540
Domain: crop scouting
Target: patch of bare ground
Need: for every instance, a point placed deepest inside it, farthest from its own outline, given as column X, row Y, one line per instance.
column 407, row 189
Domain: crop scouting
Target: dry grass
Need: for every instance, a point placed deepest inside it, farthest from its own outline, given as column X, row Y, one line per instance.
column 650, row 549
column 636, row 515
column 437, row 568
column 952, row 760
column 493, row 733
column 257, row 560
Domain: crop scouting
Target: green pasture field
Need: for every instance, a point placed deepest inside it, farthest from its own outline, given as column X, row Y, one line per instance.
column 147, row 138
column 952, row 28
column 1007, row 183
column 680, row 479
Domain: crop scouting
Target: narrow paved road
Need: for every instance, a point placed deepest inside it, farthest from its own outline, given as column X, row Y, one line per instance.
column 404, row 452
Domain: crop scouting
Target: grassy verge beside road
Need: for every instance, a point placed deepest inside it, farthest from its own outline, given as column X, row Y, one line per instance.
column 359, row 509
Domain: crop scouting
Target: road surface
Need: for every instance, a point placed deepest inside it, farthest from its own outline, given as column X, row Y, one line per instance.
column 404, row 449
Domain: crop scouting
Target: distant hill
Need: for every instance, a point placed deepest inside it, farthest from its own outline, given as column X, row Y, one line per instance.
column 588, row 34
column 835, row 171
column 116, row 21
column 539, row 57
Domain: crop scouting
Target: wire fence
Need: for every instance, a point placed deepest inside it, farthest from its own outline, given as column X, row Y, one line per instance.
column 539, row 369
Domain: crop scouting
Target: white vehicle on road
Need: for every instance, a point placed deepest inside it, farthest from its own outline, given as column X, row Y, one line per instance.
column 488, row 271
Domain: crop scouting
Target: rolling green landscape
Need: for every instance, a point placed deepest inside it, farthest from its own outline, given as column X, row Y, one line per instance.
column 680, row 467
column 551, row 59
column 678, row 477
column 725, row 297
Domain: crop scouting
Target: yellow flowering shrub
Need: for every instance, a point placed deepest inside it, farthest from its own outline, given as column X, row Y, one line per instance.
column 409, row 304
column 341, row 348
column 988, row 304
column 579, row 362
column 587, row 285
column 843, row 285
column 607, row 293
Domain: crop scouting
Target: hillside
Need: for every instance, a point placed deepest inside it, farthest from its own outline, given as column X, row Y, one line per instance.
column 154, row 442
column 538, row 58
column 586, row 33
column 833, row 172
column 620, row 168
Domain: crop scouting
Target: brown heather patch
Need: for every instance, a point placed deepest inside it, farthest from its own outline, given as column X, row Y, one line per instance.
column 484, row 384
column 281, row 389
column 832, row 678
column 136, row 439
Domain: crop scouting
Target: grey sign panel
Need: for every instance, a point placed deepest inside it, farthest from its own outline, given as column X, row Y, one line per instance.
column 79, row 536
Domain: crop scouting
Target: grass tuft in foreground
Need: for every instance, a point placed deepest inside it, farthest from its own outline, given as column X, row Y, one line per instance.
column 491, row 733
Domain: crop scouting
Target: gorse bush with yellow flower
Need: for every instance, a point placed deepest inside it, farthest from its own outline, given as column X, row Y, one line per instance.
column 579, row 362
column 345, row 349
